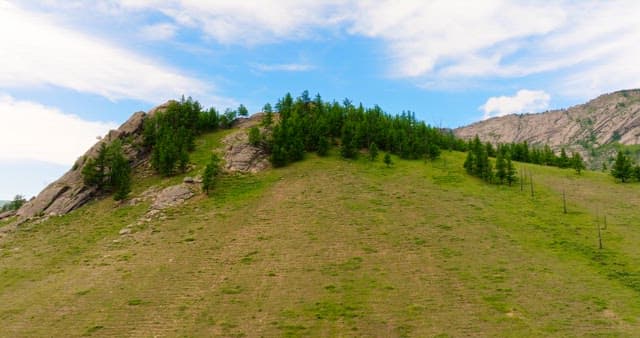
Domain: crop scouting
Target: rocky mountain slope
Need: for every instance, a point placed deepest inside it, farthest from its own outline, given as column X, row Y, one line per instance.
column 587, row 128
column 69, row 192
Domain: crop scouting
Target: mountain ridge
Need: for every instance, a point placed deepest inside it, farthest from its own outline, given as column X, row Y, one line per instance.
column 590, row 128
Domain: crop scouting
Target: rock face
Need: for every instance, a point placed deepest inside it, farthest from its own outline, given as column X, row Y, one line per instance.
column 241, row 156
column 584, row 128
column 69, row 192
column 7, row 214
column 172, row 196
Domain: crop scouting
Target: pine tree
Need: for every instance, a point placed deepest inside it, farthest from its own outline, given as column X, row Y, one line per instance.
column 501, row 166
column 621, row 168
column 254, row 136
column 511, row 171
column 563, row 161
column 348, row 141
column 211, row 171
column 373, row 151
column 17, row 202
column 120, row 173
column 577, row 163
column 387, row 160
column 267, row 121
column 469, row 163
column 93, row 171
column 636, row 172
column 109, row 171
column 433, row 151
column 242, row 111
column 323, row 145
column 491, row 152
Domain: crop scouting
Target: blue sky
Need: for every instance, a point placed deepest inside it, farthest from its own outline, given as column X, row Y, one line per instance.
column 71, row 70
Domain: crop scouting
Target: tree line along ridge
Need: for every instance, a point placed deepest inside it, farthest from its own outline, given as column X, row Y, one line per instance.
column 293, row 127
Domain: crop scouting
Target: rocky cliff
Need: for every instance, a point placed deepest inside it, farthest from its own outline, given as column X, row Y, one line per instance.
column 69, row 192
column 585, row 128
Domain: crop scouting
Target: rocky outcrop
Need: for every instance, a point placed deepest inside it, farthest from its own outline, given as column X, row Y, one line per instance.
column 172, row 196
column 240, row 155
column 584, row 128
column 69, row 192
column 7, row 214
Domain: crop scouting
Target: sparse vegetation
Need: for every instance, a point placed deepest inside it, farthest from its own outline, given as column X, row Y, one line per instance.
column 14, row 204
column 211, row 172
column 109, row 171
column 326, row 247
column 171, row 134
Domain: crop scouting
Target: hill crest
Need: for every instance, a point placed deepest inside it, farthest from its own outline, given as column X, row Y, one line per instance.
column 586, row 128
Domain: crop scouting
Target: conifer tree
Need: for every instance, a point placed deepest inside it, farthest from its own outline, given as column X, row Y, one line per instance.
column 267, row 121
column 254, row 136
column 621, row 169
column 242, row 111
column 501, row 166
column 211, row 171
column 348, row 141
column 433, row 151
column 387, row 160
column 577, row 163
column 17, row 202
column 636, row 172
column 323, row 145
column 511, row 171
column 120, row 172
column 563, row 161
column 373, row 151
column 109, row 171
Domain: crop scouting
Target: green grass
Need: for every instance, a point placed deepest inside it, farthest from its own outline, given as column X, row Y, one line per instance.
column 328, row 247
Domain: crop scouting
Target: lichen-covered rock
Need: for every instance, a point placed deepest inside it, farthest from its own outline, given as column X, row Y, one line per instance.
column 172, row 196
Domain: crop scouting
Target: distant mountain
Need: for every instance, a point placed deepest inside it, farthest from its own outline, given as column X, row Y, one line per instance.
column 596, row 129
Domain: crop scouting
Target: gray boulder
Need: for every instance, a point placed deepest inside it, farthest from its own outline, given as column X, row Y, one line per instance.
column 172, row 196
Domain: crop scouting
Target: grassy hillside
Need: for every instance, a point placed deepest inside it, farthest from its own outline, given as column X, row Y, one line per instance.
column 327, row 247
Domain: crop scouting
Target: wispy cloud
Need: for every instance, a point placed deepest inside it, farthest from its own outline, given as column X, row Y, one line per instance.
column 524, row 101
column 37, row 52
column 431, row 43
column 444, row 42
column 30, row 131
column 158, row 32
column 283, row 67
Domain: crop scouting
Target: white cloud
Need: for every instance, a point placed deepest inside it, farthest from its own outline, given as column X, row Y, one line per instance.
column 431, row 37
column 35, row 51
column 247, row 22
column 160, row 31
column 525, row 101
column 433, row 43
column 444, row 42
column 284, row 67
column 30, row 131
